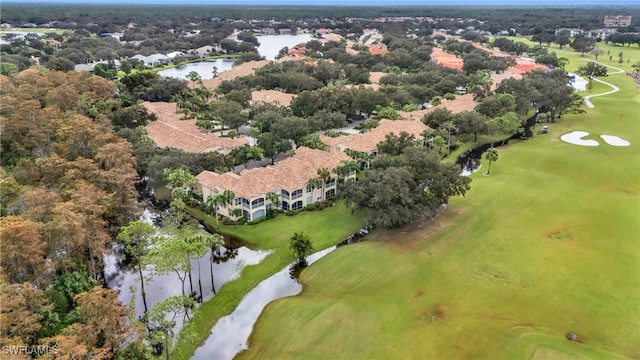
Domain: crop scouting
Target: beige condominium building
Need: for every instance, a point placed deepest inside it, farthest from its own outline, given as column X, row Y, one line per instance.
column 617, row 21
column 289, row 179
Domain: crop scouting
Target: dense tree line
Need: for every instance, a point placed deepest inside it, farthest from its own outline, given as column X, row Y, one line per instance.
column 405, row 182
column 68, row 185
column 494, row 17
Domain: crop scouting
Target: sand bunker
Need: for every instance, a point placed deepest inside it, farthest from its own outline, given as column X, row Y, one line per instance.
column 614, row 140
column 575, row 138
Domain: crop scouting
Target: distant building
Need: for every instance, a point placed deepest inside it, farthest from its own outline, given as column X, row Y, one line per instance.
column 617, row 21
column 268, row 31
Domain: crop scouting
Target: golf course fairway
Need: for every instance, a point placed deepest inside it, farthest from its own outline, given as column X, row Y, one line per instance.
column 546, row 246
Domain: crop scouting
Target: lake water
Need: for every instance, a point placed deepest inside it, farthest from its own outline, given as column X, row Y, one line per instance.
column 270, row 45
column 204, row 68
column 17, row 35
column 227, row 266
column 231, row 333
column 579, row 83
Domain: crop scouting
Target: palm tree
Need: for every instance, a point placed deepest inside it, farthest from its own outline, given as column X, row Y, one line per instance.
column 325, row 175
column 428, row 135
column 215, row 241
column 274, row 199
column 255, row 153
column 301, row 245
column 236, row 213
column 212, row 202
column 228, row 196
column 492, row 155
column 314, row 184
column 215, row 71
column 194, row 77
column 344, row 169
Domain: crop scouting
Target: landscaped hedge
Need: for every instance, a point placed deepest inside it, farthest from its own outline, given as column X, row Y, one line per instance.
column 293, row 212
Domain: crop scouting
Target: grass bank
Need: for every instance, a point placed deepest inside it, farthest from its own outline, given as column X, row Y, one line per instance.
column 326, row 228
column 546, row 245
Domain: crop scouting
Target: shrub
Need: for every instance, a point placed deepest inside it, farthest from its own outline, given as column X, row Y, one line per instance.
column 449, row 96
column 271, row 213
column 410, row 107
column 437, row 100
column 310, row 207
column 242, row 221
column 332, row 133
column 257, row 221
column 294, row 212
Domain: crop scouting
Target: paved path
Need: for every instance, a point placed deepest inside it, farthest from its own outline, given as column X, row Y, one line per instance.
column 615, row 88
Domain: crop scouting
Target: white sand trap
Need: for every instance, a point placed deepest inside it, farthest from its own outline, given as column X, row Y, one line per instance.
column 614, row 140
column 575, row 138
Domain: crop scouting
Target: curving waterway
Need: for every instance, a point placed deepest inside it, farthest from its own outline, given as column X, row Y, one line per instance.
column 227, row 265
column 231, row 333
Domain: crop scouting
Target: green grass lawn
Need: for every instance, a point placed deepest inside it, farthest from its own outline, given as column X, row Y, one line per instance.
column 326, row 228
column 546, row 245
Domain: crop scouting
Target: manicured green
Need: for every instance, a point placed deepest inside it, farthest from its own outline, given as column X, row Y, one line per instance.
column 546, row 245
column 325, row 228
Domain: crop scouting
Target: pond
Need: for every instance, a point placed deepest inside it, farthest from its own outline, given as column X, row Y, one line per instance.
column 230, row 334
column 227, row 266
column 6, row 37
column 270, row 45
column 203, row 68
column 578, row 82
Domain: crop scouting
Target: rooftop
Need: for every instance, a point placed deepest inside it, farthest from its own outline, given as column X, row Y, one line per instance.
column 170, row 131
column 289, row 174
column 369, row 140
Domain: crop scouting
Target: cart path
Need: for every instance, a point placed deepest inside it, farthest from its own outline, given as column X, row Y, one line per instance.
column 614, row 88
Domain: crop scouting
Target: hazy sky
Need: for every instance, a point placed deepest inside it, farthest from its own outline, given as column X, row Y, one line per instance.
column 347, row 2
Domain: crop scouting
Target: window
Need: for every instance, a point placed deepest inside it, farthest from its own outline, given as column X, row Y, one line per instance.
column 238, row 201
column 330, row 193
column 296, row 205
column 269, row 206
column 296, row 194
column 309, row 200
column 285, row 194
column 285, row 205
column 309, row 189
column 331, row 182
column 259, row 202
column 245, row 202
column 258, row 214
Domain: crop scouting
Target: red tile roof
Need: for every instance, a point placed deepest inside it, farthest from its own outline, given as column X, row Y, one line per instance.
column 369, row 140
column 289, row 174
column 170, row 131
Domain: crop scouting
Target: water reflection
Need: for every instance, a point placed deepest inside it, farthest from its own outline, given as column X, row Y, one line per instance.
column 227, row 264
column 270, row 45
column 203, row 68
column 230, row 335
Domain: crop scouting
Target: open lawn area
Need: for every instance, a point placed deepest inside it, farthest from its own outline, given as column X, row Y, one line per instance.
column 546, row 245
column 325, row 228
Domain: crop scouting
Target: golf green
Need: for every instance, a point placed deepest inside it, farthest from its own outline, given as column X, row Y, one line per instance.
column 546, row 246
